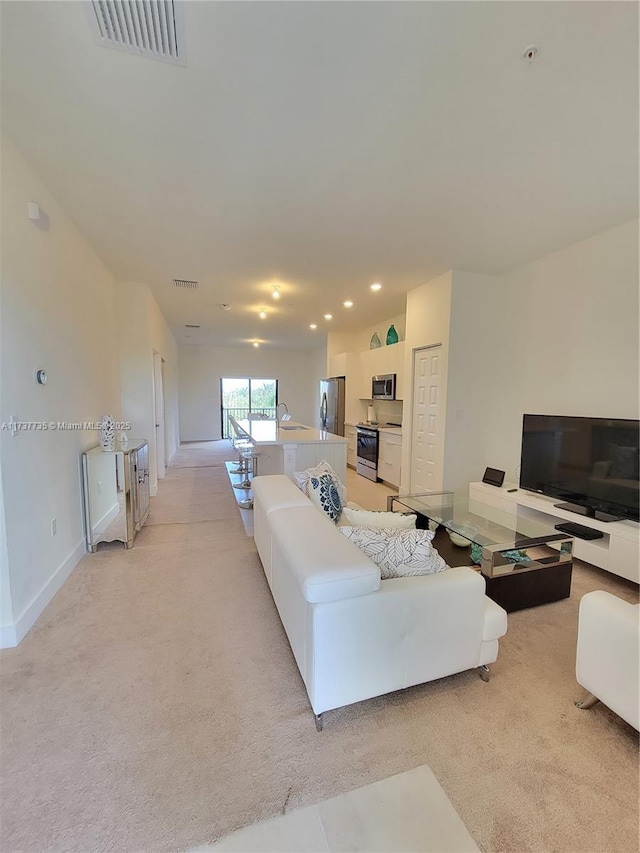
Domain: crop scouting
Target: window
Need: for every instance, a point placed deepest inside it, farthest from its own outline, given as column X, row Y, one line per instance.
column 242, row 398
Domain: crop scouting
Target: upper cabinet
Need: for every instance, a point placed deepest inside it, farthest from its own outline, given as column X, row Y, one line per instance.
column 338, row 364
column 386, row 359
column 358, row 368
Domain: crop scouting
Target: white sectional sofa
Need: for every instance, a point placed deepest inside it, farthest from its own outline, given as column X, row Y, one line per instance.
column 354, row 636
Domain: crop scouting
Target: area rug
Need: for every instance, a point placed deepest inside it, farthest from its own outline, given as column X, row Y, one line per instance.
column 409, row 811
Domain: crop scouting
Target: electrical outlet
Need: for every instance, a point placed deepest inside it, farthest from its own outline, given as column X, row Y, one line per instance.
column 54, row 526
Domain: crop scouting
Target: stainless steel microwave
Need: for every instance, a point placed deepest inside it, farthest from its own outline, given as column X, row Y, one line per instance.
column 383, row 387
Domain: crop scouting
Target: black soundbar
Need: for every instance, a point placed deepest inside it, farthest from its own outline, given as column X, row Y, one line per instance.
column 579, row 530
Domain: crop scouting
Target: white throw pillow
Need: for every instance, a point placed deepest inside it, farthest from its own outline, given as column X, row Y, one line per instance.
column 379, row 520
column 323, row 467
column 398, row 553
column 323, row 493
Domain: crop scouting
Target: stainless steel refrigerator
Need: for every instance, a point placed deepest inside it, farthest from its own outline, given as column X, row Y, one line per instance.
column 332, row 405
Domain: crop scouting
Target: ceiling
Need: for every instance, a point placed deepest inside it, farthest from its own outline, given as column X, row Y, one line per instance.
column 326, row 146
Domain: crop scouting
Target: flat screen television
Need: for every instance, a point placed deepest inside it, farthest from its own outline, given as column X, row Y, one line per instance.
column 591, row 464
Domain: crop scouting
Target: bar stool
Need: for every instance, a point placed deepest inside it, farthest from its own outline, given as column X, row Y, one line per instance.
column 243, row 466
column 241, row 442
column 251, row 457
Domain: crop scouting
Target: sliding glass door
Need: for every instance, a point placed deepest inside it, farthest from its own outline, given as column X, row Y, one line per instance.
column 246, row 398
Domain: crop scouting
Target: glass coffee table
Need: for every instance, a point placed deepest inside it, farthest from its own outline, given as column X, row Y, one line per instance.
column 525, row 563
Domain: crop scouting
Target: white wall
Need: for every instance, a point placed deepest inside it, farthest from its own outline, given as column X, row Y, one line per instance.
column 558, row 336
column 142, row 330
column 427, row 324
column 201, row 368
column 62, row 310
column 571, row 344
column 58, row 313
column 484, row 344
column 339, row 342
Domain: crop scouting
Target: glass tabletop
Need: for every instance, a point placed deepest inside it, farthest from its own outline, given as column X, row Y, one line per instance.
column 480, row 524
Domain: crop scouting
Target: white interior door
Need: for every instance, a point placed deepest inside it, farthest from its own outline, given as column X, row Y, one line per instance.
column 427, row 443
column 158, row 395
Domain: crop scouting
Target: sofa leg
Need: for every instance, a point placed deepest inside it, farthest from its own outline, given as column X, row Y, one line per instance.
column 483, row 672
column 319, row 718
column 587, row 701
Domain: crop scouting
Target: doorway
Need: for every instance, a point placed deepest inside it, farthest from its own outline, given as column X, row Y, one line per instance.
column 159, row 415
column 246, row 398
column 427, row 433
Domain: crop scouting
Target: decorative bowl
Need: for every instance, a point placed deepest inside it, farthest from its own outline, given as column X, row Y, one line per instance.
column 457, row 537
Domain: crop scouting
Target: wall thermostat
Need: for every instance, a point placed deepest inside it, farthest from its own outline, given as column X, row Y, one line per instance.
column 40, row 376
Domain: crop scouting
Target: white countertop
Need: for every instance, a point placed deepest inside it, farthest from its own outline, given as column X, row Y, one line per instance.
column 281, row 432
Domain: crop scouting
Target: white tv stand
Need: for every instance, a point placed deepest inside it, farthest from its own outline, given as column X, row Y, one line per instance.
column 618, row 551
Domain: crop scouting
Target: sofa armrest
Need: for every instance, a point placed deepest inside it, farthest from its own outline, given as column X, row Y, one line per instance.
column 607, row 656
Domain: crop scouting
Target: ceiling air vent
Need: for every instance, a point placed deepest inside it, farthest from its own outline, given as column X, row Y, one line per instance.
column 148, row 27
column 184, row 282
column 192, row 325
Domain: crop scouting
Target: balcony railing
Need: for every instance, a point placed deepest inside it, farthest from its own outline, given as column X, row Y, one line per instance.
column 241, row 413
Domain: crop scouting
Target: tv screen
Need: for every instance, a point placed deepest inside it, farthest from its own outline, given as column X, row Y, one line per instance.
column 591, row 463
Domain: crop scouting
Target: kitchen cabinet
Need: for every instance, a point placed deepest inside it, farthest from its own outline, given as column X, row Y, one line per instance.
column 389, row 456
column 350, row 435
column 388, row 359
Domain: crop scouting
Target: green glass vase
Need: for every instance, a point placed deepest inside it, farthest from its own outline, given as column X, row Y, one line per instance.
column 392, row 335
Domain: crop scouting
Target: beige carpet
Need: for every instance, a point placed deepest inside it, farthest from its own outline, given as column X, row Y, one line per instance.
column 156, row 706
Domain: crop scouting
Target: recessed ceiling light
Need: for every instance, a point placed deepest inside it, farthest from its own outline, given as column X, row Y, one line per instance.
column 328, row 316
column 224, row 306
column 263, row 315
column 348, row 304
column 376, row 286
column 256, row 344
column 276, row 292
column 313, row 325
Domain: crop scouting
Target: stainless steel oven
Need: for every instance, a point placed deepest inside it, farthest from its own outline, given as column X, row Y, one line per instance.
column 367, row 452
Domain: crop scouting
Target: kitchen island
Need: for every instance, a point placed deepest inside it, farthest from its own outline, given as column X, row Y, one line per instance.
column 287, row 446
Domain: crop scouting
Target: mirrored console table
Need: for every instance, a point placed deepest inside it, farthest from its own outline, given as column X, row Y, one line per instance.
column 116, row 492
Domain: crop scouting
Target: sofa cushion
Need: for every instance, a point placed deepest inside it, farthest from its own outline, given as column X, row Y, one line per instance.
column 398, row 553
column 379, row 520
column 325, row 564
column 302, row 478
column 276, row 491
column 323, row 494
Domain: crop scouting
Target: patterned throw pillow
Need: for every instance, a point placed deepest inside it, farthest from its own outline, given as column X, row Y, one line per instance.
column 398, row 553
column 379, row 520
column 323, row 467
column 324, row 493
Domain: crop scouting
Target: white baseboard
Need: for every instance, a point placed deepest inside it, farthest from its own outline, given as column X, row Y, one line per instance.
column 11, row 635
column 153, row 490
